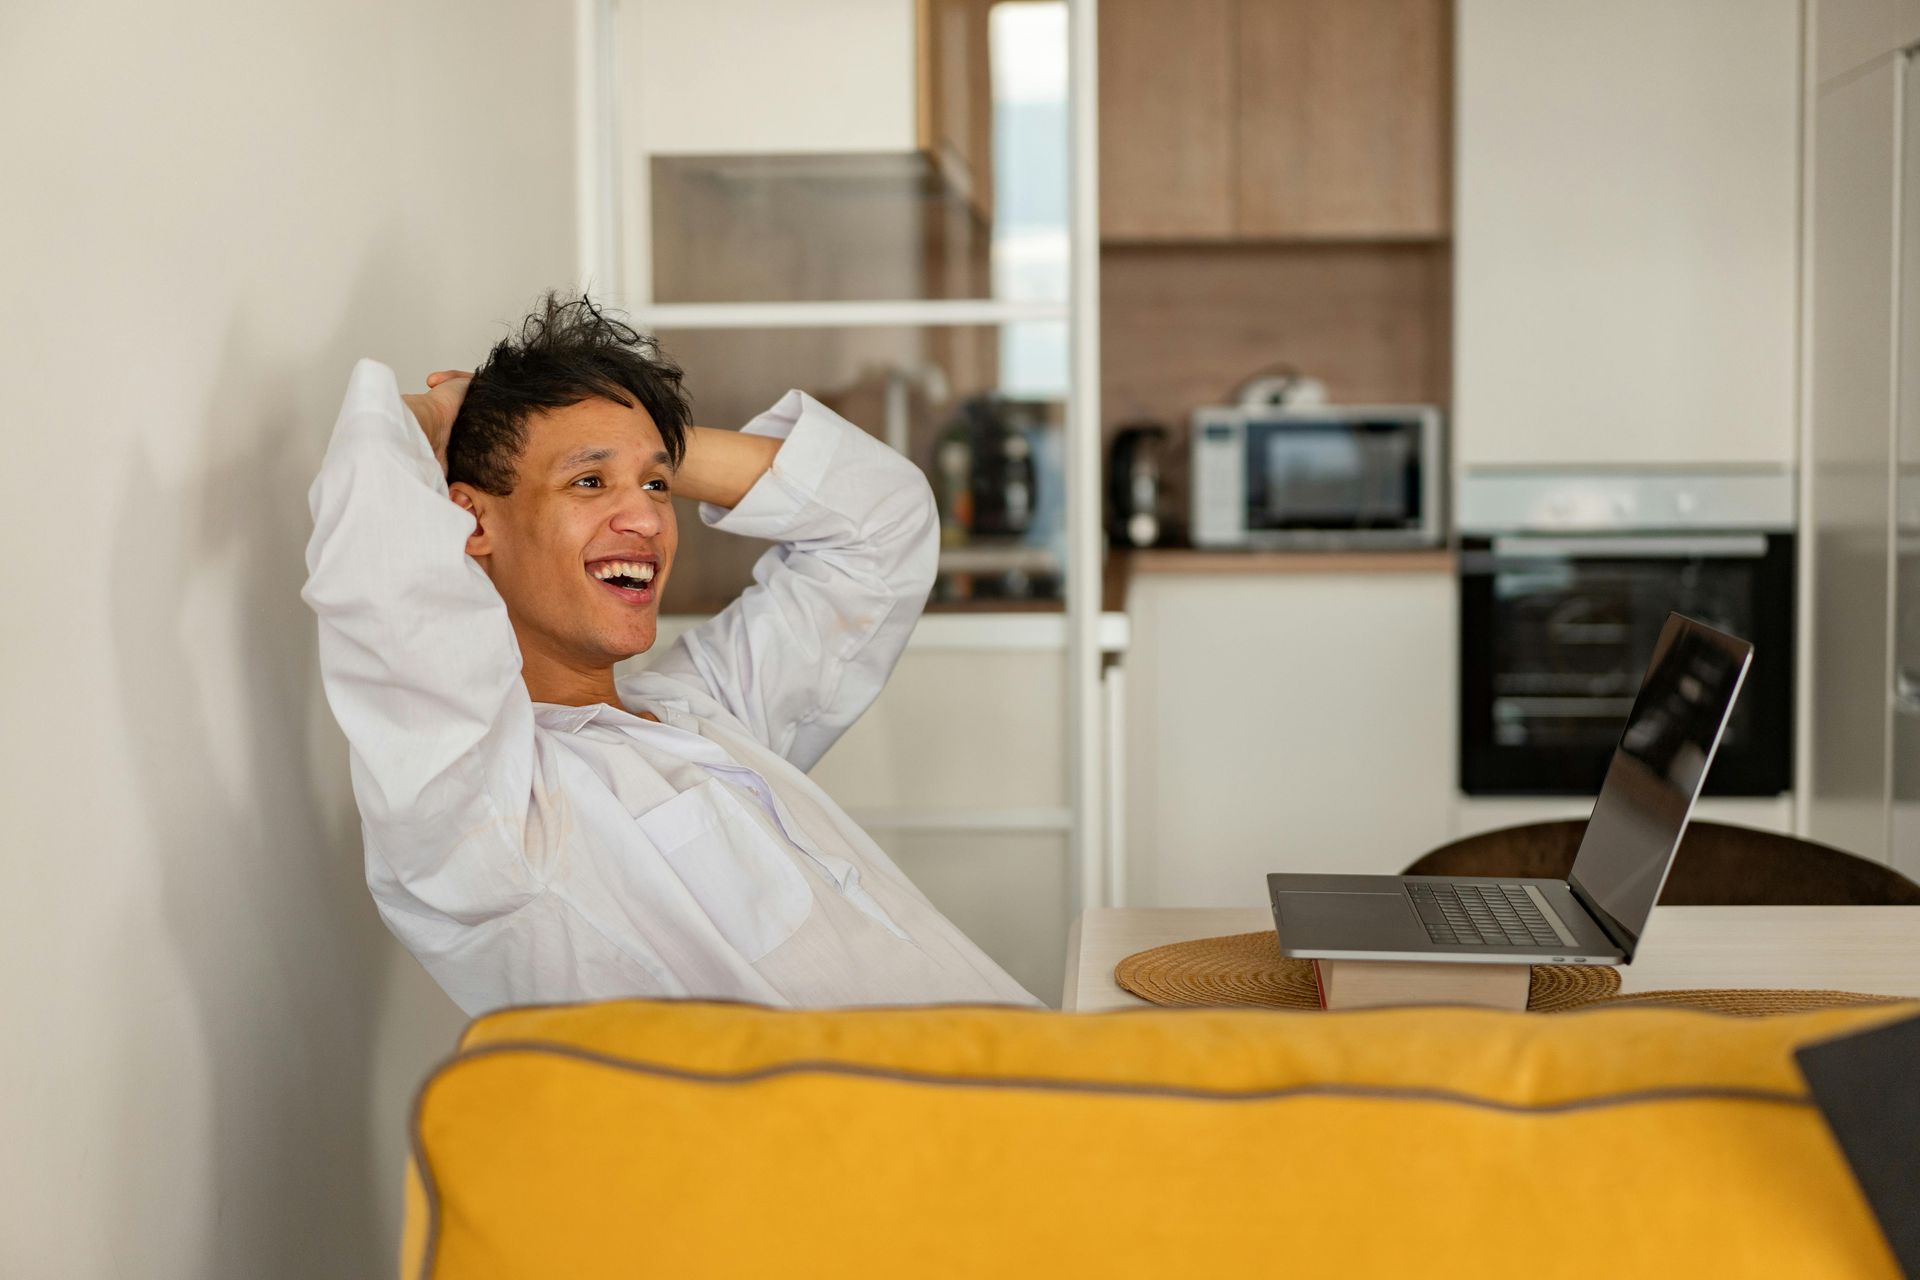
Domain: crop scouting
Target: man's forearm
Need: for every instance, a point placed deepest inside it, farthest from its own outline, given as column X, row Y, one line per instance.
column 720, row 466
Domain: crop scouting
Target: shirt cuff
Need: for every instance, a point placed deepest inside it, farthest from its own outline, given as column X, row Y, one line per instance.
column 374, row 415
column 812, row 436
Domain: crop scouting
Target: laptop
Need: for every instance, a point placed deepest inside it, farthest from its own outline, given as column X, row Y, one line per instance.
column 1597, row 914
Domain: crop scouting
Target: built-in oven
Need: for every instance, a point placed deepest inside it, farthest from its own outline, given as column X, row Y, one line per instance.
column 1564, row 585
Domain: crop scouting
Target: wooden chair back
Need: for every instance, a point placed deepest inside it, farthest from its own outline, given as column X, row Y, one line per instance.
column 1719, row 864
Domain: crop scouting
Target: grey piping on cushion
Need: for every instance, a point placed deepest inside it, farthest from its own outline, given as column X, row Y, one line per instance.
column 430, row 1187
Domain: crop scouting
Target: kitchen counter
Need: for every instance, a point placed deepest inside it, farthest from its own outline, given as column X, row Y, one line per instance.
column 1122, row 565
column 967, row 623
column 1195, row 560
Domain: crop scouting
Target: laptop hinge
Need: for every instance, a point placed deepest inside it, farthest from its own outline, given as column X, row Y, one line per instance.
column 1615, row 934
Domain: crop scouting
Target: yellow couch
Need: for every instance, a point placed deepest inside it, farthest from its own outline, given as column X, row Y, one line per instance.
column 678, row 1139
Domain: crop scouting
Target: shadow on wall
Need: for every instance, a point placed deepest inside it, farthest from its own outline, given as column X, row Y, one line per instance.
column 309, row 1025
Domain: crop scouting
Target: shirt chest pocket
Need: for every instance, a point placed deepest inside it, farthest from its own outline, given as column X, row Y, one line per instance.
column 735, row 870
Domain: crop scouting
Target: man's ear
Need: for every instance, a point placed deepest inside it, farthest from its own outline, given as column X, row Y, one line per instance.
column 476, row 504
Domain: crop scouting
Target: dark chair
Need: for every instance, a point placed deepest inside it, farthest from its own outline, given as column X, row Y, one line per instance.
column 1718, row 865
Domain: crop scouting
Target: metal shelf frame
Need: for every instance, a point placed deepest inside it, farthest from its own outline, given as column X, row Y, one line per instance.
column 1095, row 702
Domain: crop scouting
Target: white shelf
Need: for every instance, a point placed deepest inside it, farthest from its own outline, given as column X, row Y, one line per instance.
column 988, row 557
column 1056, row 818
column 909, row 313
column 971, row 632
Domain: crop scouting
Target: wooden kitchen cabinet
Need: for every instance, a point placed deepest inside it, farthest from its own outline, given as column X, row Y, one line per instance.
column 1166, row 119
column 1273, row 119
column 1343, row 127
column 955, row 81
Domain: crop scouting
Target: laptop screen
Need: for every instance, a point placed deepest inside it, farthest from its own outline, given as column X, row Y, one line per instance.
column 1656, row 773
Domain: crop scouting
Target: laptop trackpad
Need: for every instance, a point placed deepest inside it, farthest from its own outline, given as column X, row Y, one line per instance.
column 1348, row 921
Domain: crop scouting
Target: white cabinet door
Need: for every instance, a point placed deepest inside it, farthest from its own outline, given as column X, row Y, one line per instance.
column 1285, row 722
column 1627, row 194
column 1856, row 138
column 959, row 772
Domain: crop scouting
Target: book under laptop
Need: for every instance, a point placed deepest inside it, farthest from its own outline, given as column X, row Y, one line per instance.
column 1597, row 914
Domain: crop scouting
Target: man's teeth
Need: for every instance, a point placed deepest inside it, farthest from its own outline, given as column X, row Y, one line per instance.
column 638, row 570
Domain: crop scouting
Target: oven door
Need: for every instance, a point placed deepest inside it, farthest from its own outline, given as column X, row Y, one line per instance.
column 1556, row 633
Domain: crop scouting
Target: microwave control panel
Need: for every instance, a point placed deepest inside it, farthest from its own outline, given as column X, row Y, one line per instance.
column 1219, row 479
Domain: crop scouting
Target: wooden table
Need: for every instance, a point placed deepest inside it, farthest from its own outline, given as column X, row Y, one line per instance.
column 1870, row 949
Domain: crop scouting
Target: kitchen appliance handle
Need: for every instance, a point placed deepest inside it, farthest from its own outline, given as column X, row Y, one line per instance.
column 1615, row 546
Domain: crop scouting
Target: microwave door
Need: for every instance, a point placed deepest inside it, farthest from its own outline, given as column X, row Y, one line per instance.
column 1337, row 481
column 1307, row 475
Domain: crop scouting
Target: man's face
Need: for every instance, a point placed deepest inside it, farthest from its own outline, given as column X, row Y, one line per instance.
column 581, row 548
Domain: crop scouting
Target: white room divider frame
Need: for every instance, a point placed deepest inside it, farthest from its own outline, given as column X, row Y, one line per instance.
column 1095, row 697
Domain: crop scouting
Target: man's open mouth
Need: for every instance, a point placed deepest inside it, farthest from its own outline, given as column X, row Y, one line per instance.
column 632, row 579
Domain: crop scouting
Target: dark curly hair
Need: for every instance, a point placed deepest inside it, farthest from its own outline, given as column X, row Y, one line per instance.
column 567, row 351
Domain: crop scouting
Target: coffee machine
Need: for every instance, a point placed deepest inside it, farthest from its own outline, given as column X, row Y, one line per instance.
column 1136, row 485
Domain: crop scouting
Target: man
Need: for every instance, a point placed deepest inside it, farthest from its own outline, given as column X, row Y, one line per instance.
column 538, row 830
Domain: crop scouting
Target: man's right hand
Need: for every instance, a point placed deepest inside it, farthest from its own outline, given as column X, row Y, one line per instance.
column 436, row 410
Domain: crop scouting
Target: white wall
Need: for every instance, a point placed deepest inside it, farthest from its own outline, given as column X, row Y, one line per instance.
column 209, row 210
column 698, row 78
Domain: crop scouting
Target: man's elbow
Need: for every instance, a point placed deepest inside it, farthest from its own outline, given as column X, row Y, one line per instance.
column 910, row 526
column 926, row 535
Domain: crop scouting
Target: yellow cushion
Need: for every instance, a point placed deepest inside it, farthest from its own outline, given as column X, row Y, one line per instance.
column 669, row 1139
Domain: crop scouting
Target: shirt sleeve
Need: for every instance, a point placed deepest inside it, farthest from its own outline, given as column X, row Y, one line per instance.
column 419, row 662
column 806, row 648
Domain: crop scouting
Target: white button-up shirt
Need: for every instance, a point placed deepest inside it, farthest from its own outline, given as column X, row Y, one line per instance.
column 527, row 852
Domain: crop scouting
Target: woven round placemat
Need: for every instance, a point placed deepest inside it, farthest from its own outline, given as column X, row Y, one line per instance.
column 1746, row 1002
column 1247, row 970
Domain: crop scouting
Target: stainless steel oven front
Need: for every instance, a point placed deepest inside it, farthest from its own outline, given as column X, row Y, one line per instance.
column 1564, row 584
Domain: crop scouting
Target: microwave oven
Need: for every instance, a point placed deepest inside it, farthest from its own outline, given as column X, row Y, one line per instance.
column 1325, row 477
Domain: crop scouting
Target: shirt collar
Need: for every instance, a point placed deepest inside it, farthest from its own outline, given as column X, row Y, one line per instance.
column 550, row 715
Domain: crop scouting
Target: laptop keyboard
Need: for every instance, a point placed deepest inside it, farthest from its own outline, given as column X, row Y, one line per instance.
column 1476, row 915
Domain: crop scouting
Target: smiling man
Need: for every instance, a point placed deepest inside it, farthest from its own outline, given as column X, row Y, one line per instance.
column 539, row 830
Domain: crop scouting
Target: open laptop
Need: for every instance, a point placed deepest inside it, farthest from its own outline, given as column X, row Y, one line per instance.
column 1595, row 915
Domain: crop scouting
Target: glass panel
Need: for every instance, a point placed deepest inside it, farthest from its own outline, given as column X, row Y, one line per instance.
column 995, row 460
column 1556, row 638
column 1029, row 53
column 1907, row 482
column 1906, row 597
column 978, row 211
column 1572, row 641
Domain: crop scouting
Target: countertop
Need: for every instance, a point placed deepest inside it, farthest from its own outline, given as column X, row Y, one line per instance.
column 1195, row 560
column 1122, row 565
column 1870, row 949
